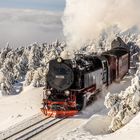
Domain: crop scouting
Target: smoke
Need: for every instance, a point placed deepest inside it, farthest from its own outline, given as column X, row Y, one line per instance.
column 88, row 20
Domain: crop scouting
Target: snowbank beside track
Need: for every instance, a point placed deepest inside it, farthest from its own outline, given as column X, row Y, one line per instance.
column 16, row 108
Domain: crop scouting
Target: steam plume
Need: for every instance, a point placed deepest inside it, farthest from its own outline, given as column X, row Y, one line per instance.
column 86, row 20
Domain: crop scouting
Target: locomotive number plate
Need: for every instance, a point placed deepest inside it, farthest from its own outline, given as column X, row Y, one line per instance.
column 59, row 76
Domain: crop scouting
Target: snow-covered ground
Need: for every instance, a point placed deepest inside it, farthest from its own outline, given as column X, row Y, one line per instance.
column 16, row 108
column 128, row 132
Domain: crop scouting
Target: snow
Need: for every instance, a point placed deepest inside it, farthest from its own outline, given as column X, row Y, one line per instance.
column 25, row 68
column 128, row 132
column 124, row 106
column 102, row 121
column 97, row 121
column 16, row 108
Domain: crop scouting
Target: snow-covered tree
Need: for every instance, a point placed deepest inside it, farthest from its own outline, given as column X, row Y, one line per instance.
column 28, row 62
column 6, row 83
column 34, row 57
column 3, row 54
column 125, row 105
column 39, row 77
column 29, row 77
column 21, row 68
column 7, row 88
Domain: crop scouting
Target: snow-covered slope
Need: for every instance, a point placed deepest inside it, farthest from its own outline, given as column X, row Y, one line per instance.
column 16, row 108
column 128, row 132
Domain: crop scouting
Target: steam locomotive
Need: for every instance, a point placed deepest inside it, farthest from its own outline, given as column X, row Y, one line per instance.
column 72, row 83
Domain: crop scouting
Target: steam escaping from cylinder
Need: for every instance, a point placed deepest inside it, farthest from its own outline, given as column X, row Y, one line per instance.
column 87, row 21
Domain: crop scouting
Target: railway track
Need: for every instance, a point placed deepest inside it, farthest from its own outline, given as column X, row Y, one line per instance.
column 33, row 129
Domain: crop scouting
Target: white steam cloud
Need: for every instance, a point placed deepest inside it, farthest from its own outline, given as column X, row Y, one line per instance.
column 85, row 20
column 21, row 27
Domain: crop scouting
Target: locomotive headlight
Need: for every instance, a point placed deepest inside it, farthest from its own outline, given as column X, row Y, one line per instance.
column 48, row 92
column 67, row 93
column 59, row 60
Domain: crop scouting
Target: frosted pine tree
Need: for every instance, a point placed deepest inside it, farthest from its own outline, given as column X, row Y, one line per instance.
column 6, row 82
column 39, row 77
column 3, row 54
column 30, row 62
column 21, row 68
column 7, row 88
column 34, row 57
column 29, row 77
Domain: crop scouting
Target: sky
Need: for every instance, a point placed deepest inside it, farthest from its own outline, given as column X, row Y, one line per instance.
column 55, row 5
column 23, row 22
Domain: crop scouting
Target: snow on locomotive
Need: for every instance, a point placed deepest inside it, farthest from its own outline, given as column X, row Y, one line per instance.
column 72, row 83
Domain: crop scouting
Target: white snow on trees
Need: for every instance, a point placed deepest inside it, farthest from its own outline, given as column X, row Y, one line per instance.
column 28, row 64
column 29, row 77
column 6, row 85
column 34, row 57
column 39, row 77
column 125, row 105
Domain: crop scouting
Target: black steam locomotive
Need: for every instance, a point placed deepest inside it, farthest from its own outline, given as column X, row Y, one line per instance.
column 71, row 84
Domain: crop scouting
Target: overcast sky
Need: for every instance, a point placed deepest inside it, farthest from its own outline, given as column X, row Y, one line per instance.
column 26, row 21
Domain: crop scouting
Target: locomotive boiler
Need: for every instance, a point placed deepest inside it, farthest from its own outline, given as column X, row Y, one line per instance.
column 72, row 83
